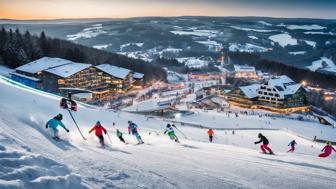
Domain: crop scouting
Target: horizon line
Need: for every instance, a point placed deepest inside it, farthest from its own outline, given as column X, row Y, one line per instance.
column 153, row 16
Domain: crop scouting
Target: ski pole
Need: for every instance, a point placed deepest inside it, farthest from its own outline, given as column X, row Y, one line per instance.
column 181, row 133
column 108, row 136
column 76, row 124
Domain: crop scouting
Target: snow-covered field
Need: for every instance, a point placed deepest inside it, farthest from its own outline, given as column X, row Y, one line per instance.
column 305, row 27
column 248, row 47
column 323, row 63
column 251, row 29
column 283, row 39
column 31, row 159
column 93, row 31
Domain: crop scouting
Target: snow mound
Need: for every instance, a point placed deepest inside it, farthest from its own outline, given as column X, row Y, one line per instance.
column 26, row 170
column 283, row 39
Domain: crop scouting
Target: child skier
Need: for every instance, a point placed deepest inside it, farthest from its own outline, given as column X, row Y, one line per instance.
column 292, row 144
column 210, row 133
column 327, row 150
column 264, row 146
column 133, row 128
column 171, row 133
column 120, row 136
column 99, row 129
column 54, row 123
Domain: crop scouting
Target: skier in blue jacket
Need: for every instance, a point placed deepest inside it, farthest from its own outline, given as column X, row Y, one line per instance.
column 133, row 128
column 54, row 123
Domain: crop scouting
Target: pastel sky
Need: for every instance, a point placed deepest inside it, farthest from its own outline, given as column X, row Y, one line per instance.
column 54, row 9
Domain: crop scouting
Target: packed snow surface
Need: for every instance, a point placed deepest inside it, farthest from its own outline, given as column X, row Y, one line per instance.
column 199, row 33
column 31, row 159
column 283, row 39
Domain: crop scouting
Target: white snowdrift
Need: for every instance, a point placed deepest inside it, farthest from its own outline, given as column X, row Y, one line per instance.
column 31, row 171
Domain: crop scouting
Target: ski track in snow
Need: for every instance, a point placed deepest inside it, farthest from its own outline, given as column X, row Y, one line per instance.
column 232, row 162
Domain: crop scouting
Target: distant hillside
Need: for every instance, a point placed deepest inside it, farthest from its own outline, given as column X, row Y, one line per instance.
column 17, row 49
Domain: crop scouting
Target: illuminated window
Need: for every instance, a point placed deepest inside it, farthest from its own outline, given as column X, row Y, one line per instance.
column 61, row 82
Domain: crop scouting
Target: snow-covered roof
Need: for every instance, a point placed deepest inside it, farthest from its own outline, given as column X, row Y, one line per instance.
column 138, row 75
column 251, row 91
column 43, row 64
column 68, row 69
column 244, row 68
column 284, row 84
column 114, row 71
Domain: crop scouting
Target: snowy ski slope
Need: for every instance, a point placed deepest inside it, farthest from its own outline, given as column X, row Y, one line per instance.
column 31, row 159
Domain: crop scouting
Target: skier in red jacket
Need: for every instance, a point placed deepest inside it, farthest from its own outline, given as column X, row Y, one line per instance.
column 327, row 150
column 99, row 129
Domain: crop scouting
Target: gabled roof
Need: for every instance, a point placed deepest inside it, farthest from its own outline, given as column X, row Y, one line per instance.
column 114, row 71
column 68, row 69
column 284, row 85
column 43, row 64
column 137, row 75
column 251, row 91
column 243, row 68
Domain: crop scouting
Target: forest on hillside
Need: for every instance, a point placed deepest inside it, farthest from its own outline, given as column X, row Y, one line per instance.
column 18, row 48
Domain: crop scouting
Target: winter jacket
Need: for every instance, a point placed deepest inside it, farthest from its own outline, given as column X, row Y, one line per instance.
column 263, row 139
column 169, row 130
column 210, row 132
column 99, row 129
column 293, row 143
column 132, row 127
column 328, row 149
column 53, row 123
column 119, row 134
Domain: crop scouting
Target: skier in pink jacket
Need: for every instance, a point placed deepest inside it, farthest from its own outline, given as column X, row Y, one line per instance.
column 327, row 150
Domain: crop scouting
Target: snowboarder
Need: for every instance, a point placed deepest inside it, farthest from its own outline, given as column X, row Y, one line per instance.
column 292, row 144
column 99, row 129
column 133, row 128
column 68, row 103
column 171, row 132
column 120, row 136
column 210, row 133
column 54, row 123
column 264, row 146
column 327, row 150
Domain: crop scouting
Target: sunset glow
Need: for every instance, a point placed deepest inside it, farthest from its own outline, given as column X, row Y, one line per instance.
column 55, row 9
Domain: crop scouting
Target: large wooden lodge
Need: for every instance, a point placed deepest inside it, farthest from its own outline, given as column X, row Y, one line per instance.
column 60, row 76
column 280, row 94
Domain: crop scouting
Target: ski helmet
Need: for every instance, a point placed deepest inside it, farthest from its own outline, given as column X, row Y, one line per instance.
column 59, row 116
column 259, row 135
column 168, row 125
column 98, row 123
